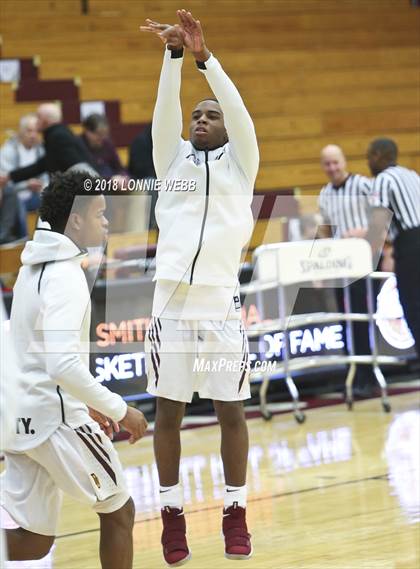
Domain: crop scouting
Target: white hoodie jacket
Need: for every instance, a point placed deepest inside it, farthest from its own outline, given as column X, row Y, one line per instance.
column 50, row 324
column 10, row 394
column 202, row 232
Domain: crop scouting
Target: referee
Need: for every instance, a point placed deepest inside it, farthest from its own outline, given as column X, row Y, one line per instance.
column 398, row 189
column 344, row 204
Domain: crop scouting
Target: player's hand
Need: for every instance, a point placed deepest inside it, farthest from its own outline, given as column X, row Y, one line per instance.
column 34, row 185
column 172, row 36
column 107, row 425
column 135, row 423
column 193, row 35
column 387, row 262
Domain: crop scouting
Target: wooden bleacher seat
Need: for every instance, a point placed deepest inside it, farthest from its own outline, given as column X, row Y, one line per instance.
column 118, row 241
column 31, row 221
column 10, row 260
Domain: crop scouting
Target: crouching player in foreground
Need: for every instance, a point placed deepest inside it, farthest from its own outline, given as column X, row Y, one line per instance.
column 57, row 446
column 196, row 305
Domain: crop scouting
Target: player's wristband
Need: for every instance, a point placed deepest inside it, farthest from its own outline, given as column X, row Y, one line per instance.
column 202, row 64
column 176, row 53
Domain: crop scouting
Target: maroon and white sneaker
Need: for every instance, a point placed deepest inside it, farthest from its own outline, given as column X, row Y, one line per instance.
column 237, row 539
column 174, row 539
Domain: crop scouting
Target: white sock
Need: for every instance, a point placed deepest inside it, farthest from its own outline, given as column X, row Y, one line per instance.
column 171, row 496
column 235, row 494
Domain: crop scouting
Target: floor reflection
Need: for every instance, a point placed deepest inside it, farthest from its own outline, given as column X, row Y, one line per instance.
column 402, row 450
column 276, row 458
column 282, row 462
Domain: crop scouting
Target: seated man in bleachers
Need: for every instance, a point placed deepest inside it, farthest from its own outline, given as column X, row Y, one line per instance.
column 63, row 150
column 140, row 165
column 98, row 144
column 21, row 150
column 12, row 222
column 103, row 155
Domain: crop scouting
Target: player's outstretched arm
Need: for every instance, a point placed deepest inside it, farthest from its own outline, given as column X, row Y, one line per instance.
column 167, row 116
column 239, row 125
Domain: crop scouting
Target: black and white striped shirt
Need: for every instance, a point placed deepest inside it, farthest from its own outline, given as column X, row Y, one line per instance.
column 347, row 206
column 398, row 189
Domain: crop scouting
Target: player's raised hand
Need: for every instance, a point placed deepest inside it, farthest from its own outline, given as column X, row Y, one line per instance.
column 135, row 423
column 193, row 35
column 172, row 36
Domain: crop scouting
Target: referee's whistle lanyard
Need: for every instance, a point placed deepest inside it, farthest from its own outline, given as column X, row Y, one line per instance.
column 206, row 207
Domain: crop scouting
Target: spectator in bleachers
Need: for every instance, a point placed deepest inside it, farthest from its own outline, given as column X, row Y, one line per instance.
column 140, row 163
column 344, row 204
column 103, row 155
column 63, row 150
column 98, row 144
column 12, row 222
column 20, row 150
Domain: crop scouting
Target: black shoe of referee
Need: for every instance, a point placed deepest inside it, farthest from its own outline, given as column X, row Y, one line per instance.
column 364, row 384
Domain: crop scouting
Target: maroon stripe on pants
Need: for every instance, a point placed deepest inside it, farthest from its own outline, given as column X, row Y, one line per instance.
column 155, row 329
column 244, row 360
column 154, row 362
column 99, row 458
column 95, row 442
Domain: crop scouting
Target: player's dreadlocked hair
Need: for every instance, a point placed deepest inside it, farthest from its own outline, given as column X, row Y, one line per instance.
column 58, row 198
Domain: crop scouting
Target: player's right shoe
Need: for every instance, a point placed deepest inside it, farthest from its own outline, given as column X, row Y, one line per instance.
column 174, row 539
column 237, row 539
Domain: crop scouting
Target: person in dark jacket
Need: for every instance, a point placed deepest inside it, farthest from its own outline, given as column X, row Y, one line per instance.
column 98, row 144
column 12, row 224
column 140, row 163
column 63, row 150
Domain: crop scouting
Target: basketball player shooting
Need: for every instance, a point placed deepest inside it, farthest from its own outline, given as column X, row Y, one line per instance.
column 196, row 305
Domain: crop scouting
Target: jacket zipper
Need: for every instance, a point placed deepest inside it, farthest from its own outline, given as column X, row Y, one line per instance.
column 206, row 207
column 63, row 416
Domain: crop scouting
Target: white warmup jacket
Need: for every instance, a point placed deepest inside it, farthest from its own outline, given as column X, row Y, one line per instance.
column 202, row 232
column 50, row 324
column 10, row 394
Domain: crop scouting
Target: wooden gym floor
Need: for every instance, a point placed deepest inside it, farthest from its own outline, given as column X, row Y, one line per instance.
column 339, row 492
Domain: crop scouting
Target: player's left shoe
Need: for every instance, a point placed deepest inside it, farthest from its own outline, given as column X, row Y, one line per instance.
column 237, row 539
